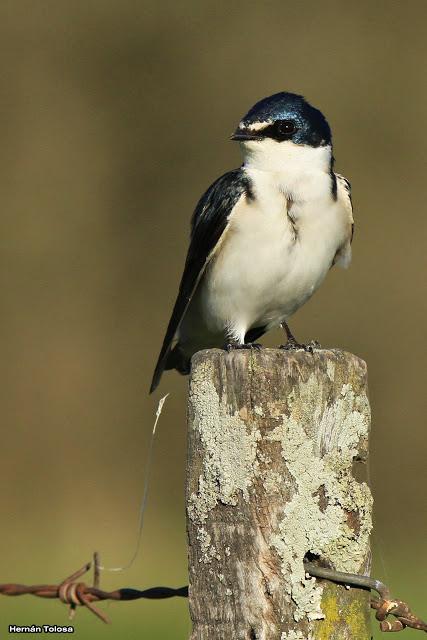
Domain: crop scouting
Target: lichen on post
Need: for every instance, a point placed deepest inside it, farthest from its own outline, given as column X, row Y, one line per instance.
column 274, row 439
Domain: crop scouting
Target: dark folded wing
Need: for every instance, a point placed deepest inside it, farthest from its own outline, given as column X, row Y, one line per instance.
column 208, row 225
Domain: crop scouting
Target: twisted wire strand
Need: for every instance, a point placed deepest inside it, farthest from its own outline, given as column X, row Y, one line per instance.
column 74, row 593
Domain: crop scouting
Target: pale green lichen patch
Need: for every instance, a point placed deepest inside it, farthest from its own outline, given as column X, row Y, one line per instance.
column 229, row 461
column 272, row 481
column 208, row 551
column 307, row 524
column 344, row 424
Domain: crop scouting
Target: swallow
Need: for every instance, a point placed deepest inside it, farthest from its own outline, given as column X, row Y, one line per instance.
column 263, row 236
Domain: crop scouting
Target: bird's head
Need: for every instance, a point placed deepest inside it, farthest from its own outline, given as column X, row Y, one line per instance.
column 281, row 123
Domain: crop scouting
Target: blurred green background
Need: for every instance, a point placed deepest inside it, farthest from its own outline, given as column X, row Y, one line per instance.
column 115, row 116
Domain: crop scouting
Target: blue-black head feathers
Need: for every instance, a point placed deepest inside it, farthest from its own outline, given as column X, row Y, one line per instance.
column 285, row 116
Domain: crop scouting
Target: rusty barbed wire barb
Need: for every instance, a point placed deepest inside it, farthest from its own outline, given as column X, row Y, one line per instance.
column 385, row 605
column 401, row 611
column 75, row 593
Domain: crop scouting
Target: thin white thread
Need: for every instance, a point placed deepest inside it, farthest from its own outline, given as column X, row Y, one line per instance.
column 145, row 493
column 378, row 549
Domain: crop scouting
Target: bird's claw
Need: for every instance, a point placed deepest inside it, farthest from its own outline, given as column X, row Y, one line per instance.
column 293, row 345
column 248, row 345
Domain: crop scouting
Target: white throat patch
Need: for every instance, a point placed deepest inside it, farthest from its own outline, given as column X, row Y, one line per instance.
column 270, row 155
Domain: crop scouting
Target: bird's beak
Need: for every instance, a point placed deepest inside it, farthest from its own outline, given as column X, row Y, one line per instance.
column 244, row 135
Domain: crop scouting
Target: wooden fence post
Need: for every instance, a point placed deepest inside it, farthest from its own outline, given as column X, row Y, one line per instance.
column 274, row 440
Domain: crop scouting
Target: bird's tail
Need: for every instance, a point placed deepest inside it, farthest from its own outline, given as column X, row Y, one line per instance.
column 173, row 359
column 178, row 360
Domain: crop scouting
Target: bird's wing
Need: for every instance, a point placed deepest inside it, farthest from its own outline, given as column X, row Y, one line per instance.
column 208, row 227
column 343, row 255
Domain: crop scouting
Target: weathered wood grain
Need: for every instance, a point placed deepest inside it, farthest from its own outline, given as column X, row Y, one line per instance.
column 274, row 438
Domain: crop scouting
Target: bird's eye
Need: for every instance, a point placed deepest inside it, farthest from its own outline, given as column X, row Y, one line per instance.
column 286, row 127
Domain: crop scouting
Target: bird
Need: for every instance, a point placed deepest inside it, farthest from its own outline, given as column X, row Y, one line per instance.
column 263, row 236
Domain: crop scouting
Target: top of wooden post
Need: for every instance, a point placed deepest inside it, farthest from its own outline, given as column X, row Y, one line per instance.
column 273, row 438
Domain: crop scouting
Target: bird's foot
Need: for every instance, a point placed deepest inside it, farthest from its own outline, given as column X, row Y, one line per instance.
column 294, row 345
column 231, row 346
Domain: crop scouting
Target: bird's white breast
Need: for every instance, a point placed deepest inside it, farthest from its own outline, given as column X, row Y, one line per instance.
column 277, row 250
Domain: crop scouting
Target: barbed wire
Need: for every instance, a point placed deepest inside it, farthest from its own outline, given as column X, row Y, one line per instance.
column 74, row 594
